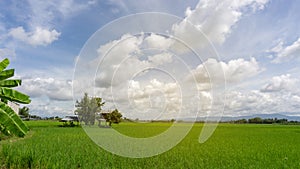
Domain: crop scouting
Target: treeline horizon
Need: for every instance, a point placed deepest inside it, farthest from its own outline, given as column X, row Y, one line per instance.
column 255, row 120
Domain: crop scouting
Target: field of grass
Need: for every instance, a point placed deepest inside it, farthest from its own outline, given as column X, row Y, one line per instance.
column 231, row 146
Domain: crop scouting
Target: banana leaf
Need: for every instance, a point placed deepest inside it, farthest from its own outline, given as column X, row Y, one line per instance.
column 7, row 74
column 12, row 122
column 13, row 95
column 3, row 64
column 10, row 83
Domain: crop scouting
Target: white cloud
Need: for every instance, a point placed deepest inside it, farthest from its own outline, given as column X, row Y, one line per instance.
column 234, row 71
column 240, row 103
column 54, row 89
column 214, row 18
column 40, row 18
column 281, row 83
column 158, row 42
column 118, row 64
column 251, row 102
column 122, row 59
column 287, row 53
column 40, row 36
column 160, row 58
column 155, row 97
column 45, row 12
column 45, row 108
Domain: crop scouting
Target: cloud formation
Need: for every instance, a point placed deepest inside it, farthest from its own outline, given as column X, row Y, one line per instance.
column 37, row 37
column 281, row 83
column 213, row 18
column 286, row 53
column 234, row 71
column 54, row 89
column 44, row 13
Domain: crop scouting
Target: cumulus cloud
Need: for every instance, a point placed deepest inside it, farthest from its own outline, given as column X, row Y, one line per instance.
column 155, row 95
column 281, row 83
column 45, row 108
column 251, row 102
column 54, row 89
column 122, row 59
column 240, row 103
column 160, row 58
column 158, row 41
column 40, row 36
column 234, row 71
column 214, row 18
column 40, row 18
column 117, row 63
column 287, row 53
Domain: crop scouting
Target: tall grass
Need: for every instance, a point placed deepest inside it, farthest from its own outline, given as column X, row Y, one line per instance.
column 231, row 146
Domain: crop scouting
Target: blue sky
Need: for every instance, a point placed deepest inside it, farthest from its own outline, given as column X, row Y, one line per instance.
column 258, row 42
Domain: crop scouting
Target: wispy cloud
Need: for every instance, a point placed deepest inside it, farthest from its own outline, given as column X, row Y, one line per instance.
column 286, row 53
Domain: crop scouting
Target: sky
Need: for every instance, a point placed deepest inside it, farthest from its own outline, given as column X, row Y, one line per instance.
column 156, row 59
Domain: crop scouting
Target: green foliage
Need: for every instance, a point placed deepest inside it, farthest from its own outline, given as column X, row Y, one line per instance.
column 112, row 117
column 231, row 146
column 10, row 122
column 256, row 120
column 87, row 108
column 115, row 117
column 24, row 111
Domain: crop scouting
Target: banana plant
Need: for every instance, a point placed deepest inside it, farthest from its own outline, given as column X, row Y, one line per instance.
column 10, row 122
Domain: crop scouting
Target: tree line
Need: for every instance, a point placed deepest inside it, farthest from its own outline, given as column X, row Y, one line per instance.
column 258, row 120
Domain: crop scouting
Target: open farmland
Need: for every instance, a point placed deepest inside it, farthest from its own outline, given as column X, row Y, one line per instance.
column 231, row 146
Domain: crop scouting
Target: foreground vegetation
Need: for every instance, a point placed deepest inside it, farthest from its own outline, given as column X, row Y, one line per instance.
column 231, row 146
column 10, row 122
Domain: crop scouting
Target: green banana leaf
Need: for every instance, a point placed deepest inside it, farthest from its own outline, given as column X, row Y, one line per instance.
column 10, row 83
column 13, row 95
column 12, row 122
column 7, row 74
column 3, row 64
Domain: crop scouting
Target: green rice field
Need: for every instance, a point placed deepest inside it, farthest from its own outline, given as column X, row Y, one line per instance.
column 231, row 146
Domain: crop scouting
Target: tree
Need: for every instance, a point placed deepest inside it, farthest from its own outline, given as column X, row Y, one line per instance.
column 10, row 122
column 256, row 120
column 240, row 121
column 115, row 117
column 24, row 111
column 112, row 117
column 87, row 108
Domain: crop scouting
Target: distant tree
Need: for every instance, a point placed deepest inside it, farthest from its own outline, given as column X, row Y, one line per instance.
column 112, row 117
column 24, row 111
column 87, row 108
column 241, row 121
column 282, row 121
column 268, row 121
column 115, row 117
column 256, row 120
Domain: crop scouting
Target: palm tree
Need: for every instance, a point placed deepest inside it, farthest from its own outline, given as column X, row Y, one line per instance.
column 10, row 122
